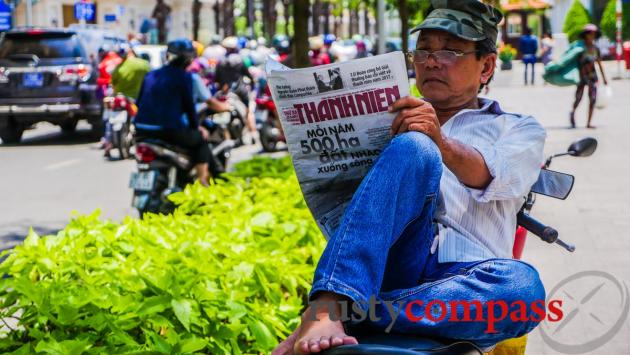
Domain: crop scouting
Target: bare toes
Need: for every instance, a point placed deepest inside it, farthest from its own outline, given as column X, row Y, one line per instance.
column 314, row 346
column 336, row 341
column 347, row 340
column 303, row 347
column 324, row 342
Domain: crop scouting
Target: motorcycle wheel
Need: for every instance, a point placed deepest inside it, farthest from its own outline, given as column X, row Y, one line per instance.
column 236, row 131
column 123, row 142
column 267, row 141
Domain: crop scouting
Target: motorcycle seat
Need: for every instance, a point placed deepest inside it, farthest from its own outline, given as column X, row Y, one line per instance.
column 166, row 145
column 373, row 343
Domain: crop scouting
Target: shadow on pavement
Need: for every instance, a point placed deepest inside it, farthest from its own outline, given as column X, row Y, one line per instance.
column 56, row 138
column 14, row 235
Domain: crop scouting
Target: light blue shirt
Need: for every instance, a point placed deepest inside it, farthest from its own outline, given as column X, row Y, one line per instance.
column 480, row 224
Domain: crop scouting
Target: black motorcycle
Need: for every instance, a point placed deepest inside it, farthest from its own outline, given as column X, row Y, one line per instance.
column 550, row 183
column 163, row 168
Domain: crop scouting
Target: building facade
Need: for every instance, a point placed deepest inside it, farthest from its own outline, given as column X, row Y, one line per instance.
column 120, row 16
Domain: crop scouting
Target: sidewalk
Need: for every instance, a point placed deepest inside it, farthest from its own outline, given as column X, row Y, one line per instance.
column 595, row 218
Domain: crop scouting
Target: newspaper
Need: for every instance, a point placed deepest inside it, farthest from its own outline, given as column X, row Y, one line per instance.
column 336, row 123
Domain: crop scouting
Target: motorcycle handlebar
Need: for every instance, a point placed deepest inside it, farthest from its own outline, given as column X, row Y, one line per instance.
column 546, row 233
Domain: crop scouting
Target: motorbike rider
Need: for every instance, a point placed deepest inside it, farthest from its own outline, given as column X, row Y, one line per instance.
column 318, row 53
column 201, row 93
column 108, row 61
column 166, row 109
column 230, row 76
column 455, row 158
column 125, row 79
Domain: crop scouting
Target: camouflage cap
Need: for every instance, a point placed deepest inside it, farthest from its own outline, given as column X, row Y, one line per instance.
column 471, row 20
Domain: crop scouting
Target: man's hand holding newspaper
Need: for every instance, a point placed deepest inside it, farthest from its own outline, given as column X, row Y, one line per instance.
column 337, row 119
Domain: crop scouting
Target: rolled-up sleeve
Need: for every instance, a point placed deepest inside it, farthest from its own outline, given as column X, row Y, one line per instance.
column 514, row 161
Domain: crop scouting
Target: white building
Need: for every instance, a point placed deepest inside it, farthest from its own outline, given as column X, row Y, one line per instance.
column 121, row 16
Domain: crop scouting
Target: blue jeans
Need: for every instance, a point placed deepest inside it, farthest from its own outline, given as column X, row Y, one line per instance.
column 382, row 248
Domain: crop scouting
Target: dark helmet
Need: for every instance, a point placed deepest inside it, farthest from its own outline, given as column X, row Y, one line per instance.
column 182, row 48
column 281, row 43
column 123, row 50
column 329, row 39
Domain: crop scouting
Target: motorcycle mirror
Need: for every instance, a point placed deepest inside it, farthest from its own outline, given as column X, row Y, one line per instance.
column 553, row 184
column 583, row 148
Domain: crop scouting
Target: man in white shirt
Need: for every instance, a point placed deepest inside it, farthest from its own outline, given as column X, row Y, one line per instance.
column 457, row 162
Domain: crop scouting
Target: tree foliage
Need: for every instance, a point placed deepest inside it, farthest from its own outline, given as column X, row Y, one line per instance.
column 227, row 273
column 575, row 20
column 608, row 23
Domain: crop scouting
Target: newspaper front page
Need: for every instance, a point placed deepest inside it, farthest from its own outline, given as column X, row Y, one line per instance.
column 336, row 123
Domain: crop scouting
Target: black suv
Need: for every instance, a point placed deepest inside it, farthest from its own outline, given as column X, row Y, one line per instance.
column 46, row 75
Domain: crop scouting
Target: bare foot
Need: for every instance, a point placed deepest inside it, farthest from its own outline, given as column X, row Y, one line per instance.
column 316, row 336
column 286, row 347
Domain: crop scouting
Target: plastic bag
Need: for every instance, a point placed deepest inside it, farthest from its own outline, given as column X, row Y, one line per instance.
column 604, row 97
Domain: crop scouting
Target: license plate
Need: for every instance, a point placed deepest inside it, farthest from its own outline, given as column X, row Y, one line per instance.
column 33, row 80
column 142, row 181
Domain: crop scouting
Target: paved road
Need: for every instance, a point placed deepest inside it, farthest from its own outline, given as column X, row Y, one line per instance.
column 49, row 176
column 596, row 218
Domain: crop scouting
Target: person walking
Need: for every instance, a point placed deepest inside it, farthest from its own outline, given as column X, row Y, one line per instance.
column 546, row 52
column 588, row 72
column 528, row 46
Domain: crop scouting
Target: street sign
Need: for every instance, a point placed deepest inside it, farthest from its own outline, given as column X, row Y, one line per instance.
column 85, row 11
column 5, row 16
column 110, row 17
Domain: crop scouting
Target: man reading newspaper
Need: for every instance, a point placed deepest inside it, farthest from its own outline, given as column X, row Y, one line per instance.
column 456, row 159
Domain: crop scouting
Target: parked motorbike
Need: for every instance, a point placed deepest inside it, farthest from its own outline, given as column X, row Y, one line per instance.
column 118, row 113
column 550, row 183
column 268, row 122
column 235, row 117
column 163, row 168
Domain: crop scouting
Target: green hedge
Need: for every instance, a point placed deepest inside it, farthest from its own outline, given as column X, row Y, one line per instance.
column 575, row 20
column 227, row 273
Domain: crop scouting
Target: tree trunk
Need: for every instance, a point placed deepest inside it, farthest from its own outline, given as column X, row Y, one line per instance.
column 287, row 16
column 404, row 28
column 300, row 30
column 196, row 10
column 218, row 25
column 354, row 21
column 316, row 19
column 366, row 19
column 228, row 17
column 249, row 9
column 326, row 17
column 270, row 16
column 351, row 19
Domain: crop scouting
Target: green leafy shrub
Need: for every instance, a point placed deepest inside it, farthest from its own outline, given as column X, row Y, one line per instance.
column 608, row 24
column 575, row 20
column 227, row 273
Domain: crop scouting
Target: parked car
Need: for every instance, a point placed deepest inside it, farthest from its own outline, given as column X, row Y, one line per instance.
column 47, row 75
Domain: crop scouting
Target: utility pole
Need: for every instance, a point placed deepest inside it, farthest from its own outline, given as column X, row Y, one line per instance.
column 381, row 27
column 619, row 14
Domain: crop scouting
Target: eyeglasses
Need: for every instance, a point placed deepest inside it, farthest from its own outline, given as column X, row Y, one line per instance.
column 445, row 57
